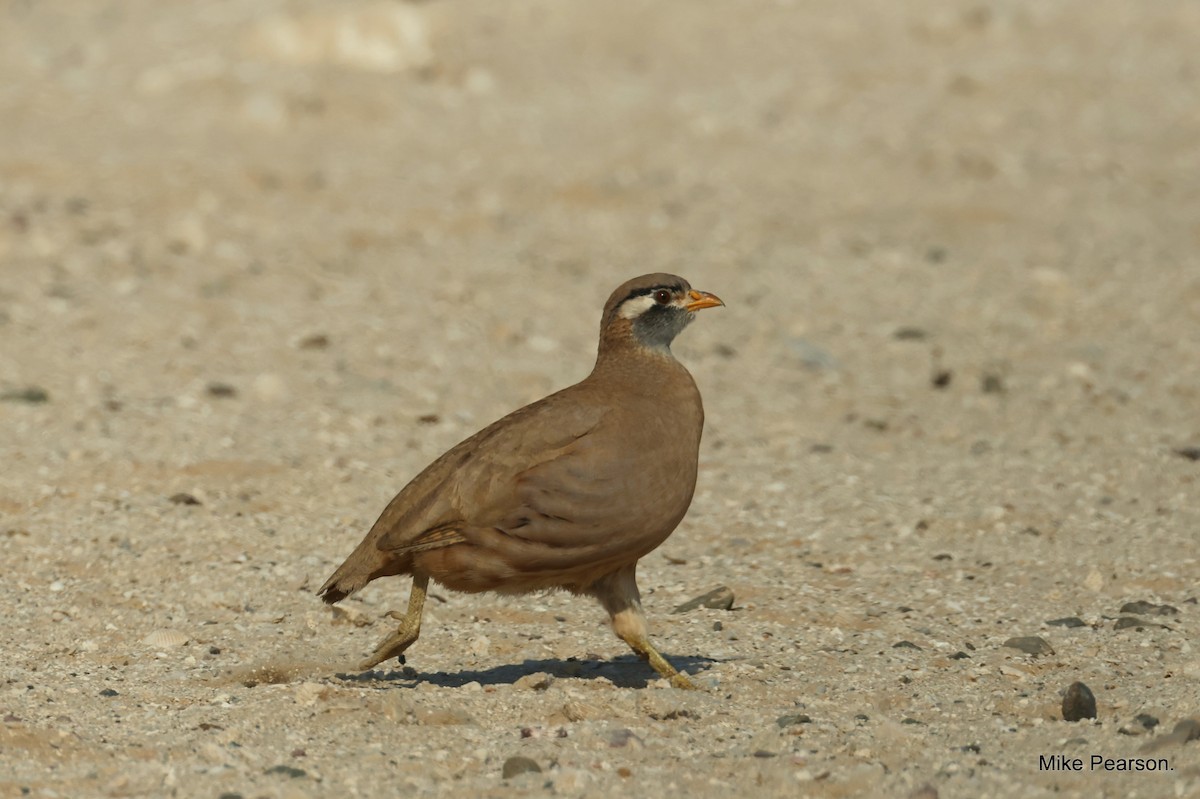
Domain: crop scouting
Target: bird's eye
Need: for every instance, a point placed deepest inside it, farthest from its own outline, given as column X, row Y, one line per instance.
column 662, row 296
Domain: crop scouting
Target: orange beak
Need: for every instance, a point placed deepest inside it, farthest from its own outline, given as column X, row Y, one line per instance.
column 702, row 299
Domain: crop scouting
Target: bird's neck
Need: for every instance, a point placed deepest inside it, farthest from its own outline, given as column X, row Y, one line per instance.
column 628, row 363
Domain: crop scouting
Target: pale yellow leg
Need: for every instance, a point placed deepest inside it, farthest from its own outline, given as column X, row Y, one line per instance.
column 407, row 633
column 620, row 597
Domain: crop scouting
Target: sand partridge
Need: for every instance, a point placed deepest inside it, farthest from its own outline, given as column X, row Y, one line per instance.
column 565, row 493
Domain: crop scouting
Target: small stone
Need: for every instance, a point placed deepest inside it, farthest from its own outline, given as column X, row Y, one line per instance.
column 910, row 334
column 163, row 639
column 34, row 395
column 960, row 655
column 792, row 719
column 1185, row 731
column 1129, row 622
column 992, row 384
column 287, row 771
column 1094, row 581
column 763, row 753
column 1143, row 608
column 620, row 739
column 429, row 418
column 221, row 390
column 905, row 645
column 317, row 341
column 941, row 378
column 519, row 764
column 1030, row 645
column 183, row 498
column 1191, row 453
column 1146, row 721
column 109, row 692
column 720, row 598
column 1078, row 703
column 538, row 681
column 1188, row 730
column 1069, row 621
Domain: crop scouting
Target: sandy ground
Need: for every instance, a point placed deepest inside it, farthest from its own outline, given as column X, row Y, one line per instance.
column 277, row 256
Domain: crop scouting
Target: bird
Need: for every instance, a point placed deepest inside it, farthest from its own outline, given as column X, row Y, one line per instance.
column 568, row 492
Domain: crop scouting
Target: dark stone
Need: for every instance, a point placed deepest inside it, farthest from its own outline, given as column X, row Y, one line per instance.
column 1128, row 622
column 1078, row 702
column 1143, row 608
column 1069, row 621
column 183, row 498
column 34, row 395
column 720, row 598
column 317, row 341
column 960, row 655
column 1191, row 453
column 941, row 378
column 763, row 753
column 1030, row 645
column 1146, row 720
column 905, row 645
column 909, row 334
column 109, row 692
column 1187, row 730
column 792, row 719
column 992, row 384
column 287, row 771
column 223, row 390
column 519, row 764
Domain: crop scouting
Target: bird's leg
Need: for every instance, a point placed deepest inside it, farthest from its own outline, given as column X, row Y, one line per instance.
column 408, row 631
column 620, row 597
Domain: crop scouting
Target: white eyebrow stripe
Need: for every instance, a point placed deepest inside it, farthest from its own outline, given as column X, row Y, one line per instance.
column 635, row 306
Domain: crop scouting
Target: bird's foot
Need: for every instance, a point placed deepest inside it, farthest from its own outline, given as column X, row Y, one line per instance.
column 395, row 644
column 684, row 682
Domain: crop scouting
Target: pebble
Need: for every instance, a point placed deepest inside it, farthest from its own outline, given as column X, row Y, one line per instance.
column 539, row 681
column 519, row 764
column 165, row 638
column 1030, row 645
column 905, row 645
column 1078, row 703
column 222, row 390
column 1143, row 608
column 720, row 598
column 1069, row 621
column 1186, row 730
column 1146, row 721
column 792, row 719
column 34, row 395
column 183, row 498
column 287, row 771
column 1127, row 622
column 1191, row 453
column 622, row 738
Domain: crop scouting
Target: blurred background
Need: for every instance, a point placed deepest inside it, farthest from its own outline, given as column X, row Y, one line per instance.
column 260, row 261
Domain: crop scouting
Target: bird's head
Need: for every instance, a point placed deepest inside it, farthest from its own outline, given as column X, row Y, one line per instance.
column 650, row 311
